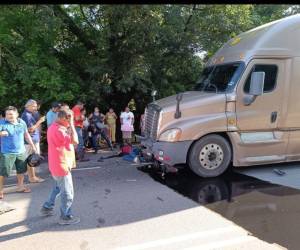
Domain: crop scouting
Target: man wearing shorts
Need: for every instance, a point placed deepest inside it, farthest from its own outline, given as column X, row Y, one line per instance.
column 33, row 126
column 13, row 131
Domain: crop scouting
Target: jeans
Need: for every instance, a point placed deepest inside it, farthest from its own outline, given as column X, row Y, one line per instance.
column 103, row 135
column 80, row 146
column 63, row 186
column 85, row 136
column 95, row 141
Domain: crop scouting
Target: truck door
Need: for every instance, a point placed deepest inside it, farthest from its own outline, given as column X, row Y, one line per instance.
column 258, row 123
column 264, row 113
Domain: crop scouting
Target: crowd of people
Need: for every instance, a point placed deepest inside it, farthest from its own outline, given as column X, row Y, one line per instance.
column 69, row 132
column 95, row 126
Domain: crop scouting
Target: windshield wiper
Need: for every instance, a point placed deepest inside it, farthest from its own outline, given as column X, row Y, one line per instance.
column 207, row 84
column 213, row 85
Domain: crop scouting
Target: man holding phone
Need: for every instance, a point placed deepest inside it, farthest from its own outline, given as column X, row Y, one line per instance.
column 33, row 125
column 62, row 137
column 13, row 131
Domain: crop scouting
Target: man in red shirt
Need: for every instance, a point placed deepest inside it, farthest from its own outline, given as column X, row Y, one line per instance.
column 78, row 122
column 62, row 137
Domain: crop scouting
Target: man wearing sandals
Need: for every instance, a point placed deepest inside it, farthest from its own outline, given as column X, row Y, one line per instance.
column 13, row 131
column 33, row 125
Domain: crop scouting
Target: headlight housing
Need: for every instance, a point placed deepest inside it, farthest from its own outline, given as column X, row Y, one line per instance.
column 170, row 135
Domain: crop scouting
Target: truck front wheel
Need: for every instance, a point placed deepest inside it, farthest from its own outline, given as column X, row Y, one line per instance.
column 210, row 156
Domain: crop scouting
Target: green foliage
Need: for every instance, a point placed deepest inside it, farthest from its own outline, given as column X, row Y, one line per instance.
column 108, row 54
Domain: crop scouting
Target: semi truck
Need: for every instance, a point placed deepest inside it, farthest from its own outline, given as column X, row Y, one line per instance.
column 243, row 111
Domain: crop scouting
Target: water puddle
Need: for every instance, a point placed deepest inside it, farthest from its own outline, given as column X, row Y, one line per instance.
column 270, row 212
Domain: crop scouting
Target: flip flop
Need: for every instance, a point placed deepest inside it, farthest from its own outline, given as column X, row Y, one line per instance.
column 24, row 190
column 38, row 180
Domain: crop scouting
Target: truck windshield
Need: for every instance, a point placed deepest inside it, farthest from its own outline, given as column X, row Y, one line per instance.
column 220, row 78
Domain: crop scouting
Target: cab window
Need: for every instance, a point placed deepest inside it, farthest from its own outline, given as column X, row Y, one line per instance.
column 270, row 77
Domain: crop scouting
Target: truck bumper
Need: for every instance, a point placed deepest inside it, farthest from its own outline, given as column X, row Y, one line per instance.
column 168, row 153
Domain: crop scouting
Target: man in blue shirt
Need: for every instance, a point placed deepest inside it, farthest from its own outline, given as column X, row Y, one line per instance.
column 33, row 125
column 13, row 131
column 52, row 113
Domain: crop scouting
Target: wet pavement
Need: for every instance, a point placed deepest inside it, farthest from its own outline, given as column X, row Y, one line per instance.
column 270, row 212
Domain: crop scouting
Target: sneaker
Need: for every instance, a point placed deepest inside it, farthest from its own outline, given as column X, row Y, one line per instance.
column 70, row 220
column 46, row 211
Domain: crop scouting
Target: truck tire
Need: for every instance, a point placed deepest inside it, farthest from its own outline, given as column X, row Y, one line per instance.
column 210, row 156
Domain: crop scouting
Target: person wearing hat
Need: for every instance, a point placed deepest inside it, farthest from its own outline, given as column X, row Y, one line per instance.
column 33, row 125
column 52, row 113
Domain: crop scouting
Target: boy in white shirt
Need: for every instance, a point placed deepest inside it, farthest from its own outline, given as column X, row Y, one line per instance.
column 127, row 121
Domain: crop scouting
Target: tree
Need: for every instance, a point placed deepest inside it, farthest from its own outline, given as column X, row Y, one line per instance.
column 108, row 54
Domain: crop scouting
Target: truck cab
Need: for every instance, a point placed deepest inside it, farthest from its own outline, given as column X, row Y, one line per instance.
column 243, row 111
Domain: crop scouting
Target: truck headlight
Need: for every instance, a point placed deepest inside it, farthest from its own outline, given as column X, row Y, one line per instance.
column 170, row 135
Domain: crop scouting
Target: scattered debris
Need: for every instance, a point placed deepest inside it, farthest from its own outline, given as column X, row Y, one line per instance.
column 107, row 191
column 101, row 220
column 278, row 171
column 159, row 198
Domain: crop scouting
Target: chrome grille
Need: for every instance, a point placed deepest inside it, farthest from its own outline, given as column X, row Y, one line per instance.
column 151, row 121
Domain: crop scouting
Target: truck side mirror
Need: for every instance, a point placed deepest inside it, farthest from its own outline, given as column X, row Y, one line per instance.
column 257, row 83
column 256, row 87
column 153, row 94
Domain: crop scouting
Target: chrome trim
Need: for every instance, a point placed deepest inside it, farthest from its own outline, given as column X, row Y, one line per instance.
column 152, row 119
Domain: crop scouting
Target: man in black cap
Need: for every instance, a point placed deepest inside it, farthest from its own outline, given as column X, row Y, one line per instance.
column 52, row 113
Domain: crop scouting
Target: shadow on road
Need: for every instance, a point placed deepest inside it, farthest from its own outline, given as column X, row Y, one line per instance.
column 115, row 193
column 109, row 193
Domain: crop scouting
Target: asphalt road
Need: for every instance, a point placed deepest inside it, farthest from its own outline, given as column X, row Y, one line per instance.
column 120, row 208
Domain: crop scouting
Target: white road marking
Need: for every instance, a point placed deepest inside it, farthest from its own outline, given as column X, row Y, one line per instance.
column 85, row 168
column 162, row 242
column 223, row 243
